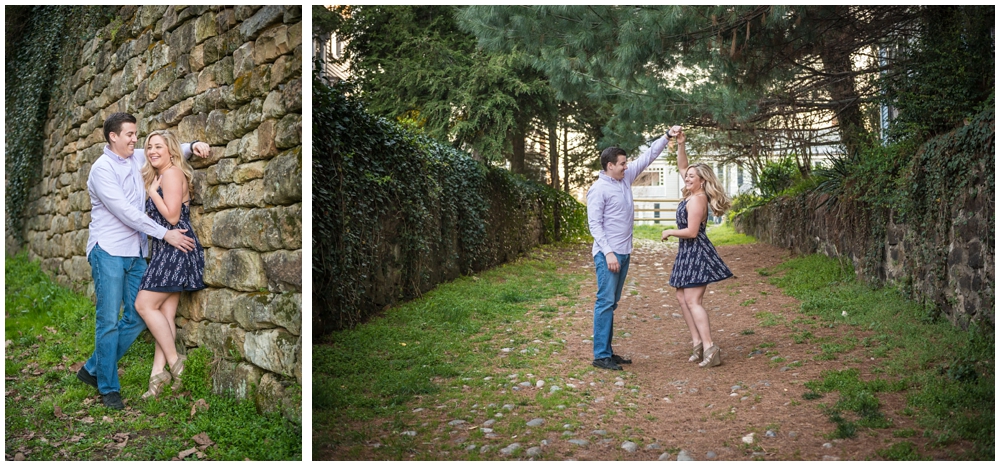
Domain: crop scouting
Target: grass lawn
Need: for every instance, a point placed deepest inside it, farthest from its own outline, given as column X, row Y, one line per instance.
column 720, row 235
column 50, row 415
column 946, row 374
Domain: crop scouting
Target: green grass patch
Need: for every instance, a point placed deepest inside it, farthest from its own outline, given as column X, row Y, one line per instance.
column 724, row 235
column 902, row 451
column 651, row 232
column 440, row 349
column 946, row 373
column 50, row 415
column 720, row 235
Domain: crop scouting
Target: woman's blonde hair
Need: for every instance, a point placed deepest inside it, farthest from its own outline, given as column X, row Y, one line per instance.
column 718, row 201
column 176, row 157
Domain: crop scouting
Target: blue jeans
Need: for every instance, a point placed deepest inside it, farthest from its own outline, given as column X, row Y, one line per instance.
column 116, row 283
column 609, row 291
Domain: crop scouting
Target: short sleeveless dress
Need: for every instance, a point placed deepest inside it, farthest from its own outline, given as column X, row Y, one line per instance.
column 170, row 269
column 697, row 263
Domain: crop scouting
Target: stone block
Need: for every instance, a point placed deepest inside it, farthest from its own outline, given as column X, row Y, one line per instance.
column 292, row 14
column 274, row 395
column 249, row 171
column 292, row 96
column 215, row 128
column 181, row 40
column 274, row 107
column 206, row 79
column 194, row 128
column 225, row 19
column 283, row 269
column 77, row 269
column 260, row 20
column 239, row 269
column 243, row 120
column 147, row 15
column 205, row 26
column 243, row 59
column 225, row 340
column 173, row 115
column 222, row 45
column 283, row 178
column 209, row 100
column 266, row 229
column 196, row 59
column 234, row 378
column 271, row 44
column 288, row 132
column 260, row 144
column 275, row 350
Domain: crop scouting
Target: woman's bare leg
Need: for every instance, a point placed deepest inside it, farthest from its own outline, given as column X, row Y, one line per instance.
column 695, row 336
column 148, row 304
column 693, row 297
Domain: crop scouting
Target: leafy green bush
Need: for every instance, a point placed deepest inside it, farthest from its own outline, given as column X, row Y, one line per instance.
column 397, row 212
column 775, row 177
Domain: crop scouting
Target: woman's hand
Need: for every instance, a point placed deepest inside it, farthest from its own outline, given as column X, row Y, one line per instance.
column 666, row 234
column 154, row 186
column 681, row 137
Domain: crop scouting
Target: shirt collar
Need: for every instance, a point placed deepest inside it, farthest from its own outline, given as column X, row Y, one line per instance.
column 116, row 157
column 604, row 176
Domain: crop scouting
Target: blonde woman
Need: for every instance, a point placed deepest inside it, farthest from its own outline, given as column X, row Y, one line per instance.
column 697, row 263
column 167, row 177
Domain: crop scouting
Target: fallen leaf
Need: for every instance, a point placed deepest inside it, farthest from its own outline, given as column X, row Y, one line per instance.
column 87, row 420
column 107, row 419
column 75, row 367
column 200, row 455
column 199, row 405
column 51, row 330
column 187, row 453
column 18, row 457
column 202, row 439
column 58, row 412
column 76, row 438
column 60, row 367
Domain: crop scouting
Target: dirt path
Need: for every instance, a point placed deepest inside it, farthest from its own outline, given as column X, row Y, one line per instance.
column 701, row 411
column 661, row 406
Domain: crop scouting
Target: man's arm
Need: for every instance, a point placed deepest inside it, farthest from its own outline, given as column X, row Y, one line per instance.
column 595, row 218
column 107, row 189
column 640, row 164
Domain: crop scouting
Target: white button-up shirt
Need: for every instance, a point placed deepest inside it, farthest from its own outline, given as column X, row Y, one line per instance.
column 610, row 210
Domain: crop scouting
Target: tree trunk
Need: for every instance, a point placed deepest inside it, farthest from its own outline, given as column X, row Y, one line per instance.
column 554, row 173
column 835, row 53
column 517, row 152
column 565, row 147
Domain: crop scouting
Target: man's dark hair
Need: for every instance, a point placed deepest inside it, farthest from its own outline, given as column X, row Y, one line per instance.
column 610, row 155
column 113, row 124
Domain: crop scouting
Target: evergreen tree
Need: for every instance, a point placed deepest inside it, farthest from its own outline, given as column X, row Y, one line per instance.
column 775, row 75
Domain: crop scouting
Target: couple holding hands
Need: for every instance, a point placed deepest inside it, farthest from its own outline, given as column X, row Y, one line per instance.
column 135, row 194
column 610, row 211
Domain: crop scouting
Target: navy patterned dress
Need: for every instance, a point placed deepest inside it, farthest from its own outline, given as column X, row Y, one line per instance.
column 697, row 263
column 170, row 269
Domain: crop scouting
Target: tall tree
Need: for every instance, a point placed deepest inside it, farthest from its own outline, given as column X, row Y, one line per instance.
column 767, row 72
column 414, row 64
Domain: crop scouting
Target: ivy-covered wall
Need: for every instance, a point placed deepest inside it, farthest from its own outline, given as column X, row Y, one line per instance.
column 395, row 213
column 925, row 221
column 229, row 76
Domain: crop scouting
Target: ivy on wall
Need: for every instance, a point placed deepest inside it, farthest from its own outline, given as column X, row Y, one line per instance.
column 35, row 37
column 396, row 212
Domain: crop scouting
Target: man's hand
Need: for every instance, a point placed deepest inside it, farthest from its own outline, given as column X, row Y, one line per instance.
column 613, row 265
column 201, row 149
column 177, row 239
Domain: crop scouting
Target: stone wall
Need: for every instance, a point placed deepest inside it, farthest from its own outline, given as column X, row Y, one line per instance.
column 229, row 76
column 948, row 265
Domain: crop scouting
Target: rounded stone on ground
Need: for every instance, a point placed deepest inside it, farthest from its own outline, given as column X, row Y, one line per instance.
column 828, row 445
column 664, row 457
column 510, row 449
column 630, row 447
column 684, row 456
column 534, row 451
column 536, row 422
column 579, row 442
column 711, row 455
column 599, row 432
column 653, row 446
column 770, row 434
